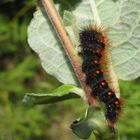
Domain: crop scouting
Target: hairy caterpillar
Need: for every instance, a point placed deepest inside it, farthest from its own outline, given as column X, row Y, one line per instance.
column 93, row 44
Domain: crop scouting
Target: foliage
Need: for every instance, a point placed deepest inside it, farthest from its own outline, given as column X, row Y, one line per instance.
column 123, row 33
column 20, row 73
column 42, row 36
column 62, row 93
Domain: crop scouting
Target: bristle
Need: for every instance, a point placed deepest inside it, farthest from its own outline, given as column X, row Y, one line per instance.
column 94, row 45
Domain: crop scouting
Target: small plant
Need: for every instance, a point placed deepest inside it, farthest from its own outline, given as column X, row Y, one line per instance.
column 53, row 35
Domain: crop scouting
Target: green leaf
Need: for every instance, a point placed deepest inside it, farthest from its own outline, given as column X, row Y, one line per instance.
column 71, row 27
column 93, row 122
column 43, row 39
column 125, row 37
column 123, row 23
column 82, row 129
column 101, row 12
column 120, row 17
column 62, row 93
column 85, row 126
column 87, row 12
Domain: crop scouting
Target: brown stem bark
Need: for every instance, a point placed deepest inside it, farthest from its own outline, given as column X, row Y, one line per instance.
column 68, row 46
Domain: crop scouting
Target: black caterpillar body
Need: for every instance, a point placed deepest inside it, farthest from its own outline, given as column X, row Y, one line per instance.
column 92, row 50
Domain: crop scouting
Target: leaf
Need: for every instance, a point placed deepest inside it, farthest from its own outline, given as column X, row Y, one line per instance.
column 95, row 12
column 89, row 12
column 62, row 93
column 43, row 40
column 82, row 129
column 124, row 31
column 120, row 17
column 71, row 27
column 93, row 122
column 125, row 38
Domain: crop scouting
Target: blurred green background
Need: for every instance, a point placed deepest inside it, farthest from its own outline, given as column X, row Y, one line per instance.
column 21, row 72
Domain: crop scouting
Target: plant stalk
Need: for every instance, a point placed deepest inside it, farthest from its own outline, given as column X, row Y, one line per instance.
column 68, row 47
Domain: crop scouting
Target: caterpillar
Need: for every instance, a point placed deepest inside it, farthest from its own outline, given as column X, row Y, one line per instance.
column 94, row 43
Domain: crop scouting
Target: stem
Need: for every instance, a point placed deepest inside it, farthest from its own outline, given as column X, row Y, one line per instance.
column 68, row 46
